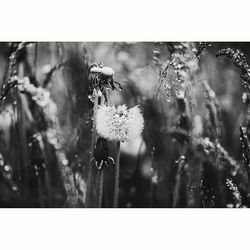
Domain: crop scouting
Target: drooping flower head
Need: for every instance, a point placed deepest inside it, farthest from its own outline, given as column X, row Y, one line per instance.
column 119, row 124
column 101, row 78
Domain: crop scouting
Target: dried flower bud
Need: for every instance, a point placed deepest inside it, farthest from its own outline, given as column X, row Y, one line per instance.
column 107, row 71
column 96, row 70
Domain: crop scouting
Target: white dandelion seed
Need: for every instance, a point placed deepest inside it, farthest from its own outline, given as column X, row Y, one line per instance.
column 119, row 124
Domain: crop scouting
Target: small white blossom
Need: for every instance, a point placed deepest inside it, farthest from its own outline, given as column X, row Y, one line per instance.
column 119, row 124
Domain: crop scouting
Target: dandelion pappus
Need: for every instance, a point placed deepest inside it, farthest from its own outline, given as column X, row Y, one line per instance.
column 101, row 79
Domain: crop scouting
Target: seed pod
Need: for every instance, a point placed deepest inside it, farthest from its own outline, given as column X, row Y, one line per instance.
column 96, row 70
column 107, row 71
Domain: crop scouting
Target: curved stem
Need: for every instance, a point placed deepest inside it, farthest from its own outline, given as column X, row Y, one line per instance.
column 117, row 173
column 100, row 189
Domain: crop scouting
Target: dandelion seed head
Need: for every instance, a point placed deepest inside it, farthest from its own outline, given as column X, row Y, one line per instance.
column 119, row 124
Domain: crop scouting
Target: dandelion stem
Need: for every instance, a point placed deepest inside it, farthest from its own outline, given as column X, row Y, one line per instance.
column 100, row 190
column 93, row 140
column 117, row 173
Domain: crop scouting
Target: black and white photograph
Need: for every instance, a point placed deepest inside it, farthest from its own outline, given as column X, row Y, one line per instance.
column 125, row 125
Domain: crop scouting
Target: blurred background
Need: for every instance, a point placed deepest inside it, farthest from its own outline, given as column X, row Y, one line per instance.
column 189, row 154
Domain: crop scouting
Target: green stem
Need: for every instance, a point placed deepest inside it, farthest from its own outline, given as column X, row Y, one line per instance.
column 100, row 190
column 117, row 173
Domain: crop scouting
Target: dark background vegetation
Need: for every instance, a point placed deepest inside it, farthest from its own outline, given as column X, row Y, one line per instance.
column 150, row 171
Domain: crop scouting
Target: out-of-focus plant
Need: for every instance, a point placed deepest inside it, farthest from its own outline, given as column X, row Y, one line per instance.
column 240, row 61
column 238, row 58
column 42, row 98
column 235, row 192
column 36, row 149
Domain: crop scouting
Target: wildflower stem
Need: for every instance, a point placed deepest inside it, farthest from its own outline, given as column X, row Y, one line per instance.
column 100, row 191
column 117, row 173
column 93, row 140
